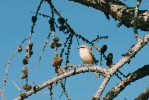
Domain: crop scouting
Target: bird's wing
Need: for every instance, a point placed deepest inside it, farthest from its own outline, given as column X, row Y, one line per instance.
column 90, row 52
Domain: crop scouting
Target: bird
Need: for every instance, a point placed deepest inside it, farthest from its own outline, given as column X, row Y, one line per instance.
column 87, row 56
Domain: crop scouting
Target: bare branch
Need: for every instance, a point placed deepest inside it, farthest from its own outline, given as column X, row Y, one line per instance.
column 66, row 74
column 136, row 19
column 119, row 11
column 144, row 95
column 34, row 18
column 7, row 68
column 131, row 53
column 114, row 68
column 43, row 49
column 101, row 88
column 138, row 74
column 16, row 85
column 2, row 94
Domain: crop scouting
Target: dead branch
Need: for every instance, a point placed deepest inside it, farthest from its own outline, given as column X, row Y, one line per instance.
column 119, row 11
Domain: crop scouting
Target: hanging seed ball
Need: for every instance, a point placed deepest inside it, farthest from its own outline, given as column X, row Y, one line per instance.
column 30, row 45
column 62, row 28
column 25, row 86
column 58, row 44
column 109, row 59
column 25, row 61
column 103, row 49
column 24, row 75
column 57, row 61
column 27, row 49
column 27, row 55
column 59, row 71
column 29, row 87
column 24, row 70
column 52, row 45
column 19, row 48
column 22, row 95
column 56, row 39
column 61, row 20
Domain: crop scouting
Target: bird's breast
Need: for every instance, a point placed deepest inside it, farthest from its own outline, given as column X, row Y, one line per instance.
column 86, row 57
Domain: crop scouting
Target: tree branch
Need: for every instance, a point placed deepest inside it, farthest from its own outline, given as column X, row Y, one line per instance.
column 2, row 95
column 136, row 19
column 66, row 74
column 138, row 74
column 144, row 95
column 101, row 88
column 120, row 12
column 131, row 53
column 114, row 68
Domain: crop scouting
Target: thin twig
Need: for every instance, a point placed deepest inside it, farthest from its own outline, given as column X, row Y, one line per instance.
column 131, row 53
column 101, row 88
column 132, row 77
column 135, row 19
column 7, row 68
column 2, row 94
column 16, row 85
column 42, row 92
column 43, row 49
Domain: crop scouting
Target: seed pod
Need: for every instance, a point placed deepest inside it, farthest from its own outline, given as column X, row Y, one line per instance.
column 61, row 21
column 27, row 55
column 52, row 45
column 24, row 75
column 22, row 95
column 27, row 49
column 56, row 39
column 57, row 61
column 109, row 59
column 25, row 70
column 25, row 61
column 30, row 45
column 59, row 71
column 62, row 28
column 58, row 44
column 103, row 49
column 25, row 86
column 19, row 48
column 29, row 87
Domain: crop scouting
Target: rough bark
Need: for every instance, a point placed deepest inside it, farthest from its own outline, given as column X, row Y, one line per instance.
column 140, row 73
column 119, row 11
column 66, row 74
column 127, row 57
column 144, row 95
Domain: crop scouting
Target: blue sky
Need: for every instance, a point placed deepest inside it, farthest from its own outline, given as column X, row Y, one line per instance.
column 15, row 25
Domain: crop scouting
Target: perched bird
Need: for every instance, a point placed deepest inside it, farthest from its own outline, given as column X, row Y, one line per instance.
column 87, row 56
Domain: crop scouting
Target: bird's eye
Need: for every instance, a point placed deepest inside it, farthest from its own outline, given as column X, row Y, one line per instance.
column 82, row 47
